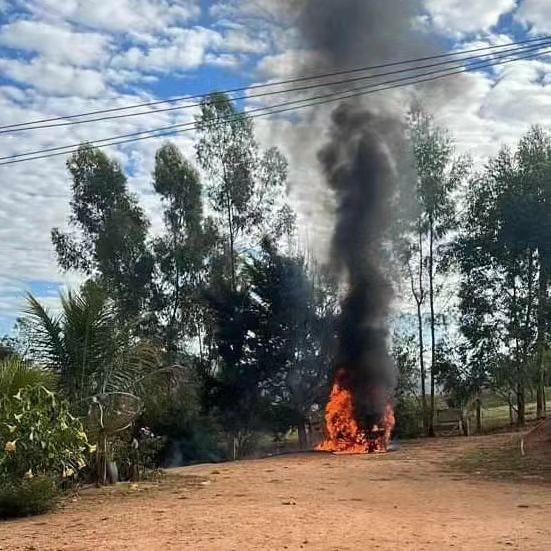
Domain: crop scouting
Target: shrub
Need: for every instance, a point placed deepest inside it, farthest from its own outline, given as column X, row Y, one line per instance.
column 409, row 417
column 138, row 454
column 39, row 436
column 29, row 496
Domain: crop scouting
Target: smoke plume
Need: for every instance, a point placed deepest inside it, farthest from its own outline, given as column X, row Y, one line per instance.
column 361, row 164
column 358, row 168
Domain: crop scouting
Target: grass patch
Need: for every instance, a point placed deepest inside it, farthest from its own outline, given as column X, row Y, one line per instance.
column 505, row 463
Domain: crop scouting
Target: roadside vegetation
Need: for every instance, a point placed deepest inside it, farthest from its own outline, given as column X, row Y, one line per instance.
column 214, row 338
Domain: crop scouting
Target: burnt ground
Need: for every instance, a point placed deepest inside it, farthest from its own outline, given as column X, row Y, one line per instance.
column 427, row 495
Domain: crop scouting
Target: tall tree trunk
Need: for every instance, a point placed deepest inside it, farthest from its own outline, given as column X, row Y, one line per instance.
column 521, row 400
column 419, row 296
column 232, row 243
column 521, row 357
column 302, row 434
column 423, row 369
column 432, row 330
column 540, row 343
column 478, row 415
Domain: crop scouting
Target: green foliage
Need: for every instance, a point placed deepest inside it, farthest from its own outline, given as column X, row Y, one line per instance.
column 424, row 233
column 110, row 230
column 409, row 415
column 233, row 392
column 40, row 441
column 30, row 496
column 408, row 408
column 89, row 347
column 245, row 187
column 104, row 370
column 275, row 339
column 173, row 409
column 404, row 354
column 503, row 254
column 16, row 374
column 460, row 379
column 138, row 454
column 7, row 347
column 294, row 322
column 39, row 436
column 439, row 174
column 181, row 254
column 199, row 439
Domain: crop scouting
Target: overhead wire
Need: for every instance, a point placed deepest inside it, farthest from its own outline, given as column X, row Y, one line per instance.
column 267, row 110
column 502, row 55
column 68, row 119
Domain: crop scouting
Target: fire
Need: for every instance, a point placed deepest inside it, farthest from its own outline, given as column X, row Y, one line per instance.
column 344, row 435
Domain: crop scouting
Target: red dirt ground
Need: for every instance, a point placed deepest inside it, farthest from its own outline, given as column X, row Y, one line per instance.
column 405, row 500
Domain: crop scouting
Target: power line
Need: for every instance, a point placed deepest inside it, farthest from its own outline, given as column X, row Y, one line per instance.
column 361, row 91
column 502, row 55
column 254, row 113
column 497, row 55
column 26, row 125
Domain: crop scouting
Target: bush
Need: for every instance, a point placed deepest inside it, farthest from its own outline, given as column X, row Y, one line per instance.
column 31, row 496
column 139, row 454
column 409, row 418
column 39, row 436
column 197, row 440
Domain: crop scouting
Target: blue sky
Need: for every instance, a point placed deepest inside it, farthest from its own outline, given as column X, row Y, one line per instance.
column 68, row 56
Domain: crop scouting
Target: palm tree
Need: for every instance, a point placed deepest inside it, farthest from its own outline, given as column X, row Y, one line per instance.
column 103, row 368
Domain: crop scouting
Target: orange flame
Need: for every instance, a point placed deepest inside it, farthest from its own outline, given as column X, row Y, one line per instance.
column 344, row 435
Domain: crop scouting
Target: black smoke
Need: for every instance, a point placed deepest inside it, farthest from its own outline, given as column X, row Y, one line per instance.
column 357, row 33
column 359, row 169
column 360, row 164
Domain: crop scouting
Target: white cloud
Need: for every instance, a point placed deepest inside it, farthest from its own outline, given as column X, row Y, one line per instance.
column 536, row 14
column 223, row 60
column 482, row 110
column 286, row 63
column 125, row 16
column 53, row 77
column 455, row 16
column 238, row 40
column 55, row 43
column 185, row 49
column 271, row 10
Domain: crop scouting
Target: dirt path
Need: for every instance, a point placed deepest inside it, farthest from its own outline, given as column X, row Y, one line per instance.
column 405, row 500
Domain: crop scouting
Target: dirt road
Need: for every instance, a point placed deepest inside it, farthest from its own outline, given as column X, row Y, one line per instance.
column 405, row 500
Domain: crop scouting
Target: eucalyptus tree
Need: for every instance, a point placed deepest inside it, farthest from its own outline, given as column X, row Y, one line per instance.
column 245, row 186
column 183, row 253
column 107, row 237
column 498, row 292
column 527, row 229
column 439, row 175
